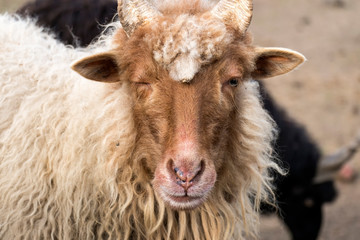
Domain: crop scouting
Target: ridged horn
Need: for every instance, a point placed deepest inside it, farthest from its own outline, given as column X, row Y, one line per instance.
column 133, row 13
column 331, row 164
column 238, row 13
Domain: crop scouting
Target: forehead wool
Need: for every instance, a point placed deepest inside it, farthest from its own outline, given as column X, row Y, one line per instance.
column 183, row 45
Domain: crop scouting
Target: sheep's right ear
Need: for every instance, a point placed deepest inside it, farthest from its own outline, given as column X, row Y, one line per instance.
column 100, row 67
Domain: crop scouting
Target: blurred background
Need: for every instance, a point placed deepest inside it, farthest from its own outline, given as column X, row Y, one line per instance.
column 323, row 94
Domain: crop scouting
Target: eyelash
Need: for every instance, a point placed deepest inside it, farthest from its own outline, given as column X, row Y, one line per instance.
column 142, row 88
column 142, row 83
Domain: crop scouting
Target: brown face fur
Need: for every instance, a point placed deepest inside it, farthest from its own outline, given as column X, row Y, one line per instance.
column 183, row 127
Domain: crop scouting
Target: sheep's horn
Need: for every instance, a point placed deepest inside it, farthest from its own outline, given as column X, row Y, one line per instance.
column 331, row 164
column 235, row 12
column 133, row 13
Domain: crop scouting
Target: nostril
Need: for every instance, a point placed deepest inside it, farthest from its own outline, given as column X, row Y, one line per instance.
column 170, row 165
column 202, row 168
column 197, row 172
column 172, row 169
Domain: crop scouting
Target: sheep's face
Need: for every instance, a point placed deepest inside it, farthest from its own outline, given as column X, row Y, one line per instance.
column 184, row 126
column 185, row 76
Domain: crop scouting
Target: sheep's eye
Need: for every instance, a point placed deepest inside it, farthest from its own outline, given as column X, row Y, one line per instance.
column 233, row 82
column 142, row 83
column 143, row 89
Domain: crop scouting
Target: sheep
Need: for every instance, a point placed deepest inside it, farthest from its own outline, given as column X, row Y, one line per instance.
column 169, row 140
column 300, row 197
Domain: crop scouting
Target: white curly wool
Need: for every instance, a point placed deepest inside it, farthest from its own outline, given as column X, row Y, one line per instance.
column 53, row 135
column 188, row 43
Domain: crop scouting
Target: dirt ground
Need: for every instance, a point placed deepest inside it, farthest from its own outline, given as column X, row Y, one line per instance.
column 323, row 94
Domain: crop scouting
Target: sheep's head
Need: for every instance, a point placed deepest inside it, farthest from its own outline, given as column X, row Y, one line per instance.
column 186, row 70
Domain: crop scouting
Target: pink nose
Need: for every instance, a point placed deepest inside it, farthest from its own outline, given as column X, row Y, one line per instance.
column 187, row 174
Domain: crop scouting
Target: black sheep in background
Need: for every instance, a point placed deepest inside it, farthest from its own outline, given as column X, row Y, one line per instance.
column 74, row 22
column 300, row 199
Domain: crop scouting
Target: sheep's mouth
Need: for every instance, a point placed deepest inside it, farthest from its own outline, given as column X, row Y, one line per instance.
column 184, row 202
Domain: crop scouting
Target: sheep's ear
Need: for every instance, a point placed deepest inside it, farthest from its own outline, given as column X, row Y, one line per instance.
column 100, row 67
column 271, row 62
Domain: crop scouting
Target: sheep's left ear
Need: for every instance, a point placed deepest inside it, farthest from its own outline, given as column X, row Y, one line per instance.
column 271, row 62
column 100, row 67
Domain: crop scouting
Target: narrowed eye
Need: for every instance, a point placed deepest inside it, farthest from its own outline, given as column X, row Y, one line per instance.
column 142, row 83
column 143, row 89
column 233, row 82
